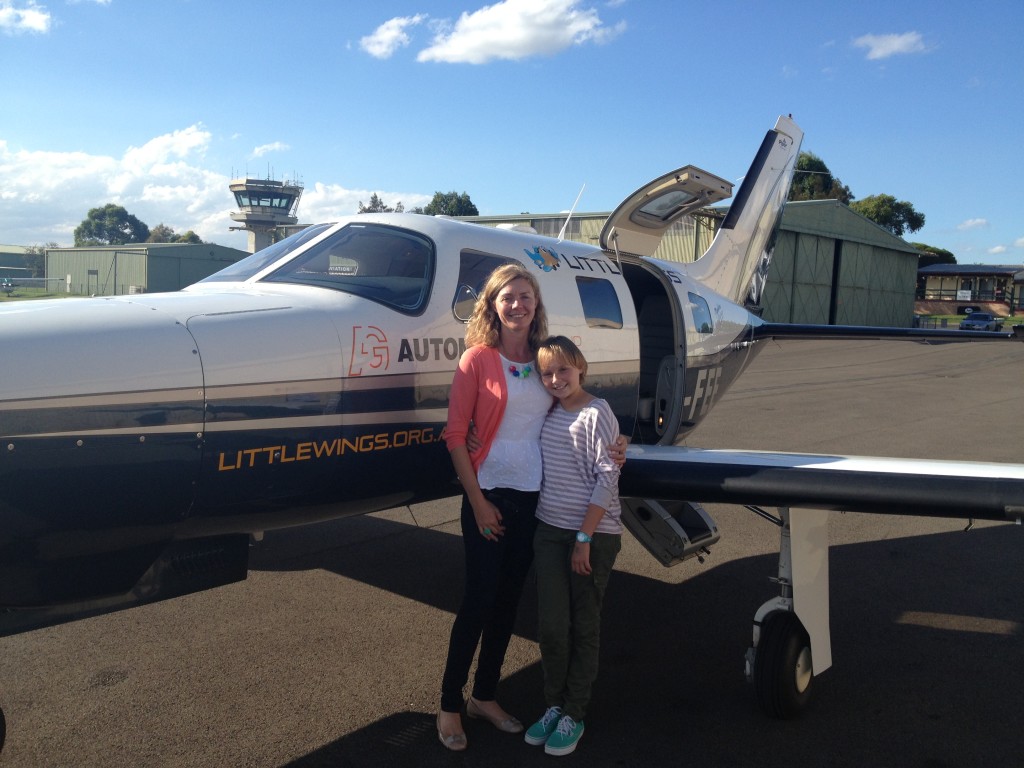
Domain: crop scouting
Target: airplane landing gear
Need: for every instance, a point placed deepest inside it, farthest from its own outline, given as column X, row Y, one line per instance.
column 783, row 673
column 779, row 663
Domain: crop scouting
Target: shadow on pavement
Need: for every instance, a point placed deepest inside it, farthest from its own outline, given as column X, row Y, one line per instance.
column 927, row 646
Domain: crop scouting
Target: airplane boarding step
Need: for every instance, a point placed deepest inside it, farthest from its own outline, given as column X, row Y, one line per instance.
column 672, row 531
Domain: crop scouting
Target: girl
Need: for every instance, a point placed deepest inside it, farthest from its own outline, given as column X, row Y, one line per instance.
column 577, row 540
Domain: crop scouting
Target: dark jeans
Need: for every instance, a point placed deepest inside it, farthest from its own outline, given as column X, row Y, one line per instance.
column 569, row 614
column 495, row 573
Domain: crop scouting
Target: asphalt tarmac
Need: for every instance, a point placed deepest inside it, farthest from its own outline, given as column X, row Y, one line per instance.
column 330, row 654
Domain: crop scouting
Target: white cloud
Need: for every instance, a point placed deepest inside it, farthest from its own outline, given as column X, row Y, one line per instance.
column 390, row 36
column 326, row 202
column 884, row 46
column 1019, row 242
column 996, row 250
column 27, row 18
column 972, row 224
column 518, row 29
column 276, row 146
column 46, row 194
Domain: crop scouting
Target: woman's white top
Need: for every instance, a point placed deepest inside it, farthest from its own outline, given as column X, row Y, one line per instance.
column 514, row 460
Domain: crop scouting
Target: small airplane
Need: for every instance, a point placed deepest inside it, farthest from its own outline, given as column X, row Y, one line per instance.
column 148, row 439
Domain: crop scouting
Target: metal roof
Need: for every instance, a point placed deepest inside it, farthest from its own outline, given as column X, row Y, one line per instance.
column 950, row 270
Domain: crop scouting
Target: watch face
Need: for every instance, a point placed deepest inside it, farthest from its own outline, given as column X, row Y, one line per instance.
column 582, row 537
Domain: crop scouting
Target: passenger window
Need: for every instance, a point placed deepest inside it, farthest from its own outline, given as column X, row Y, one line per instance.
column 601, row 305
column 474, row 269
column 388, row 265
column 701, row 314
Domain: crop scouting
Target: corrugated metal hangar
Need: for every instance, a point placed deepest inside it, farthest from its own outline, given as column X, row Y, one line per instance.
column 830, row 265
column 137, row 268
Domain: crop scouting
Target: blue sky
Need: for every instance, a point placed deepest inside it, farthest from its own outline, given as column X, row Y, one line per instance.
column 156, row 105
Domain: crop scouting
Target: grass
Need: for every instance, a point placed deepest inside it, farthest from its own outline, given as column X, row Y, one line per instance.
column 25, row 293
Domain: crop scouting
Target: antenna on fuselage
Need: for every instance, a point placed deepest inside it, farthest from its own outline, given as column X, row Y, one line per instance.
column 561, row 232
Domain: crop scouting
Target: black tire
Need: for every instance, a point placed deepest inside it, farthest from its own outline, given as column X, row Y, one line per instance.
column 783, row 672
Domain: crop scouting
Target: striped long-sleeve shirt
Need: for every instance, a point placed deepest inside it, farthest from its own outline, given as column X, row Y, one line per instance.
column 577, row 469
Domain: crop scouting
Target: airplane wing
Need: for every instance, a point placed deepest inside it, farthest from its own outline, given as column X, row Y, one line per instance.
column 957, row 489
column 780, row 331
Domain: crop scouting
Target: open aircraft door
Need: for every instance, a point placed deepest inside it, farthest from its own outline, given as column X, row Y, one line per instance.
column 636, row 228
column 671, row 531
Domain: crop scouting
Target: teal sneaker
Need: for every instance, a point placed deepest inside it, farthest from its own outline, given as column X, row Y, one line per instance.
column 539, row 732
column 565, row 738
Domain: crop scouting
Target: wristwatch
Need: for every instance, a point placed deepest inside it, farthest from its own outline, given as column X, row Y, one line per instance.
column 582, row 538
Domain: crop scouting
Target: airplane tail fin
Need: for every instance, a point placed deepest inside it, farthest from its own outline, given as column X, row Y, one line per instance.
column 735, row 265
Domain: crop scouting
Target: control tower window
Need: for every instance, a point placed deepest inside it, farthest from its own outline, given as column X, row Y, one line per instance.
column 248, row 199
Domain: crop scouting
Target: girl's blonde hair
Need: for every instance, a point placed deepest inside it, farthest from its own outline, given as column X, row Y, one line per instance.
column 562, row 348
column 485, row 326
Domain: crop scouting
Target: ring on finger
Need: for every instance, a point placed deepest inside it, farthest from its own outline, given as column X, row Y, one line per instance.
column 486, row 531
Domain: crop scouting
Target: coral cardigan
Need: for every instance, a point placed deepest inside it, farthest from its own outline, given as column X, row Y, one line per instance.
column 478, row 395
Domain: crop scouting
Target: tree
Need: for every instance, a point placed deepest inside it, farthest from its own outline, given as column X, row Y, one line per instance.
column 110, row 225
column 931, row 255
column 35, row 258
column 897, row 216
column 161, row 233
column 813, row 180
column 377, row 206
column 190, row 237
column 449, row 204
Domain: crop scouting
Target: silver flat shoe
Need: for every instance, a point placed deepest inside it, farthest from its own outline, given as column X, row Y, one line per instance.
column 456, row 742
column 509, row 725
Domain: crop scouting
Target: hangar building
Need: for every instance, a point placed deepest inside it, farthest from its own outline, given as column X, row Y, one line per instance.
column 830, row 265
column 14, row 261
column 106, row 270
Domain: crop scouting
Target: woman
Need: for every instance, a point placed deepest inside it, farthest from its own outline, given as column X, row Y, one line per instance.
column 497, row 390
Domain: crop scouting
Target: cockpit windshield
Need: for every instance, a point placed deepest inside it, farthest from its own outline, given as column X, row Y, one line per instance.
column 254, row 264
column 388, row 265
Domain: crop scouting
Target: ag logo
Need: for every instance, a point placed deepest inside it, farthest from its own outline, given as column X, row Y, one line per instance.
column 369, row 350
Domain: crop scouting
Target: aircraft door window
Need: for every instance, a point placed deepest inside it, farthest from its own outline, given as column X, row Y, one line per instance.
column 388, row 265
column 474, row 269
column 601, row 305
column 702, row 322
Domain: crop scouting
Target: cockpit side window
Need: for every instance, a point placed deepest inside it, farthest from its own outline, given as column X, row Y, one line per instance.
column 388, row 265
column 474, row 269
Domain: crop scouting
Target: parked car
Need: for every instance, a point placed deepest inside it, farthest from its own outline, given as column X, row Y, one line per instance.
column 981, row 321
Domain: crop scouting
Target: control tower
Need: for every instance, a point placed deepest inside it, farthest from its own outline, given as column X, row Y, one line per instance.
column 264, row 205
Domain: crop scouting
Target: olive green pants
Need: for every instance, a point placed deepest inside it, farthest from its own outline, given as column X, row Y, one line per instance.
column 569, row 614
